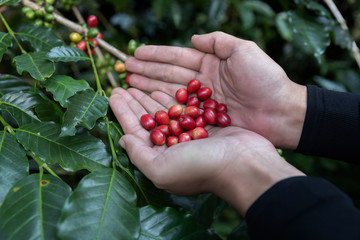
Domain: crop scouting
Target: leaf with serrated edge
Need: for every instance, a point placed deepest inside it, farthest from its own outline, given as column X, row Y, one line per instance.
column 83, row 108
column 40, row 38
column 19, row 105
column 32, row 208
column 167, row 223
column 5, row 43
column 67, row 54
column 36, row 64
column 63, row 87
column 14, row 164
column 101, row 207
column 82, row 151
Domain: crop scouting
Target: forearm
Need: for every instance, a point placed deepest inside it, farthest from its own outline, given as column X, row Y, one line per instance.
column 303, row 208
column 332, row 125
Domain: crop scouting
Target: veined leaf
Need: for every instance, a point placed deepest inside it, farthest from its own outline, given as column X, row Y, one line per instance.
column 10, row 83
column 62, row 87
column 101, row 207
column 313, row 37
column 67, row 54
column 13, row 163
column 5, row 43
column 82, row 151
column 32, row 208
column 40, row 38
column 19, row 105
column 48, row 110
column 35, row 63
column 4, row 2
column 166, row 223
column 85, row 108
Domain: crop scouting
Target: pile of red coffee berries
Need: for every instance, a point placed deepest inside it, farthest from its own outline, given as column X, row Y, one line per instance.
column 185, row 123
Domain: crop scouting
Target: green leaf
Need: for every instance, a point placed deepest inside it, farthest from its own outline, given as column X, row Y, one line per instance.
column 32, row 208
column 35, row 63
column 40, row 38
column 310, row 35
column 328, row 84
column 342, row 37
column 176, row 13
column 19, row 105
column 216, row 13
column 13, row 163
column 82, row 151
column 9, row 2
column 101, row 207
column 85, row 108
column 62, row 87
column 48, row 110
column 67, row 54
column 10, row 83
column 283, row 27
column 259, row 7
column 5, row 43
column 166, row 223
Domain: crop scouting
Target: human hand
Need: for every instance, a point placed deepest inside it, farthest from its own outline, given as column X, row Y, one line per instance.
column 259, row 95
column 236, row 164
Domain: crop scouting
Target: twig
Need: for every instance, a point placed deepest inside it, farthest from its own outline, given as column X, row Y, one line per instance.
column 338, row 16
column 79, row 29
column 78, row 14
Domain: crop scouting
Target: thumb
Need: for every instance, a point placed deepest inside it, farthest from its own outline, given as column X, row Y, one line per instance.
column 219, row 43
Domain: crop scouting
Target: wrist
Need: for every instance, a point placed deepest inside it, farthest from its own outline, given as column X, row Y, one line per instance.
column 246, row 180
column 291, row 115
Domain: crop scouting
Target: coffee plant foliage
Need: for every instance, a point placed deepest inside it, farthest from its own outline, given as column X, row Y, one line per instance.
column 63, row 174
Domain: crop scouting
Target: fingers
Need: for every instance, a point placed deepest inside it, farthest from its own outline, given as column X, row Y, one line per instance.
column 167, row 72
column 221, row 44
column 179, row 56
column 128, row 112
column 140, row 153
column 151, row 85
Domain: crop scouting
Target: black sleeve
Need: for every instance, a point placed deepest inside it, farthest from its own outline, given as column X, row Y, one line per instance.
column 332, row 125
column 303, row 208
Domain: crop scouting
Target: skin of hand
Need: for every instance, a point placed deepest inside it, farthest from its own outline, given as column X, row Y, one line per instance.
column 259, row 95
column 236, row 164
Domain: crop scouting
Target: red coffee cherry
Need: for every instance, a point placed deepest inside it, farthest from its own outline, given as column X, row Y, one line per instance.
column 181, row 95
column 192, row 111
column 162, row 118
column 127, row 79
column 223, row 120
column 193, row 86
column 100, row 36
column 175, row 128
column 184, row 137
column 95, row 43
column 204, row 93
column 92, row 21
column 165, row 129
column 147, row 121
column 199, row 133
column 210, row 116
column 193, row 101
column 172, row 140
column 157, row 137
column 200, row 122
column 81, row 45
column 187, row 122
column 175, row 111
column 210, row 103
column 221, row 108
